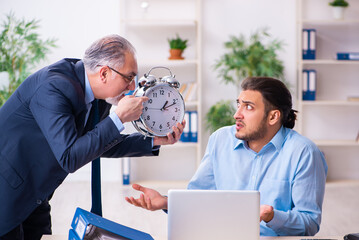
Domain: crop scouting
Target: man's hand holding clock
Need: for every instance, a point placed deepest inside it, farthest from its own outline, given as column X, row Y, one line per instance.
column 171, row 138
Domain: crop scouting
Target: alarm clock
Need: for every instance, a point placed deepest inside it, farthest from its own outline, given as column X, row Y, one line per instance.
column 165, row 106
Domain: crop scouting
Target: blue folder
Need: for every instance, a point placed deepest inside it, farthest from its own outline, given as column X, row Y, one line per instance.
column 309, row 44
column 86, row 225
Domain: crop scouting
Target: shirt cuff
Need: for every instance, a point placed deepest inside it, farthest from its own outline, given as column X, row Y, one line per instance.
column 278, row 220
column 155, row 148
column 116, row 120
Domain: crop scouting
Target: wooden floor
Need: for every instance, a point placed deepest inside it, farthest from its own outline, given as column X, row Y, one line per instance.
column 340, row 209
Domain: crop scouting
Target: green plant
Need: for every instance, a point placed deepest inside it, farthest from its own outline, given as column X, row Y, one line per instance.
column 219, row 115
column 177, row 43
column 20, row 50
column 339, row 3
column 244, row 58
column 247, row 58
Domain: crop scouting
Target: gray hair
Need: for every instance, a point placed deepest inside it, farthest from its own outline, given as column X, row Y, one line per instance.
column 107, row 51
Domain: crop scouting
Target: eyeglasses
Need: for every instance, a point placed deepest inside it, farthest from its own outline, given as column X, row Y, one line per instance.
column 128, row 79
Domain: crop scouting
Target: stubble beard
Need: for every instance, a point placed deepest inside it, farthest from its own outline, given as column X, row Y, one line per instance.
column 257, row 134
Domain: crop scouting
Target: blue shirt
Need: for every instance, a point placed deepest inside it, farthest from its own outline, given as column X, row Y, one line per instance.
column 289, row 172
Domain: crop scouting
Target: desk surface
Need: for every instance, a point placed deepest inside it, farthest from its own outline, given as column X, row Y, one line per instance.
column 64, row 237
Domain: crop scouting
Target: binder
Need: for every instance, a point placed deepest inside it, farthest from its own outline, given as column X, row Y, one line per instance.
column 86, row 225
column 193, row 126
column 348, row 56
column 309, row 78
column 185, row 137
column 309, row 43
column 126, row 167
column 73, row 235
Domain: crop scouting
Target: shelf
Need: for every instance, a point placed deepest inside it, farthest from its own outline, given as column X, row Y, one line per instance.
column 330, row 21
column 330, row 103
column 339, row 143
column 159, row 23
column 166, row 62
column 328, row 62
column 149, row 30
column 191, row 104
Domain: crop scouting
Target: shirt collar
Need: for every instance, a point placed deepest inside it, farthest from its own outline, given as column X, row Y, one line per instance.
column 279, row 138
column 89, row 97
column 239, row 143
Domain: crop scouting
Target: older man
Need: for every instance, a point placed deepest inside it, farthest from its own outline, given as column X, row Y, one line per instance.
column 48, row 130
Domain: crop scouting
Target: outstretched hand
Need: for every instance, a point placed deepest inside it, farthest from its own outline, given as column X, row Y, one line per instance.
column 149, row 199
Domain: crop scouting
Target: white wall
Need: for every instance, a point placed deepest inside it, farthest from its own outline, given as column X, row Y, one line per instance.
column 77, row 23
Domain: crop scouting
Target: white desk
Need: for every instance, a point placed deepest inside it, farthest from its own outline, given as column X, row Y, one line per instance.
column 64, row 237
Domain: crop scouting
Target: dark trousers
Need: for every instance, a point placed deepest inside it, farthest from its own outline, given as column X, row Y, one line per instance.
column 36, row 225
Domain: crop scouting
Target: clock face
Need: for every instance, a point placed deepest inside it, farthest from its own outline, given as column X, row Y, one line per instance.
column 163, row 110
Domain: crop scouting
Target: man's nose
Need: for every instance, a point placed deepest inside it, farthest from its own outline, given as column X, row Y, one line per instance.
column 238, row 114
column 132, row 85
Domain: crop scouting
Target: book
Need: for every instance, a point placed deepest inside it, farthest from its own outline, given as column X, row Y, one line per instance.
column 309, row 78
column 185, row 137
column 126, row 170
column 182, row 88
column 353, row 98
column 194, row 126
column 308, row 43
column 348, row 56
column 191, row 93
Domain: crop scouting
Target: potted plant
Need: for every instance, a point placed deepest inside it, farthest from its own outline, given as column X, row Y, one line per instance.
column 244, row 58
column 20, row 50
column 220, row 114
column 177, row 46
column 338, row 8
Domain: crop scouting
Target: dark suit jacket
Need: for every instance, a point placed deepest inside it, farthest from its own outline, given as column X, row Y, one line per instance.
column 42, row 138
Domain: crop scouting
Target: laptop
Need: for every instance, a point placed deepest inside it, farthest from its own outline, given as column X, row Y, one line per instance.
column 213, row 215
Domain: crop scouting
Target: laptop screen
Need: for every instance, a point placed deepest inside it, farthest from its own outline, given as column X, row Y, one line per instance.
column 213, row 214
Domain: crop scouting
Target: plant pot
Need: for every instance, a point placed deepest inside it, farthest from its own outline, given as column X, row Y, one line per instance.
column 175, row 54
column 338, row 12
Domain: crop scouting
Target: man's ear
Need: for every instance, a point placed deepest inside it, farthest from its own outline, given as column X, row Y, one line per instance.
column 274, row 116
column 104, row 74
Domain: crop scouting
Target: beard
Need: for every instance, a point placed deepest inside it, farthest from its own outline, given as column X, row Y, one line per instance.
column 257, row 134
column 116, row 99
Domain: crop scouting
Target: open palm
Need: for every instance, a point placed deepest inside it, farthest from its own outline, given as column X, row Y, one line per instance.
column 150, row 199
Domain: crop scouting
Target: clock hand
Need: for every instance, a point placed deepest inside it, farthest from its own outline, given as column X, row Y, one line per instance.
column 163, row 108
column 169, row 106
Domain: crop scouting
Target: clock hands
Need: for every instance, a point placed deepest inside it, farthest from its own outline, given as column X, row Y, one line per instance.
column 169, row 106
column 164, row 106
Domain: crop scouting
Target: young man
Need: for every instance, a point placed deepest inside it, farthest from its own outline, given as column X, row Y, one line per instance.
column 262, row 152
column 48, row 130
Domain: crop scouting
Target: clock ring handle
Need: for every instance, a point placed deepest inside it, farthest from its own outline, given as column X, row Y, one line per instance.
column 159, row 67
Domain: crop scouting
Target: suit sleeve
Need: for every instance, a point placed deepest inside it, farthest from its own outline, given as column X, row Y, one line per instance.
column 54, row 108
column 133, row 145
